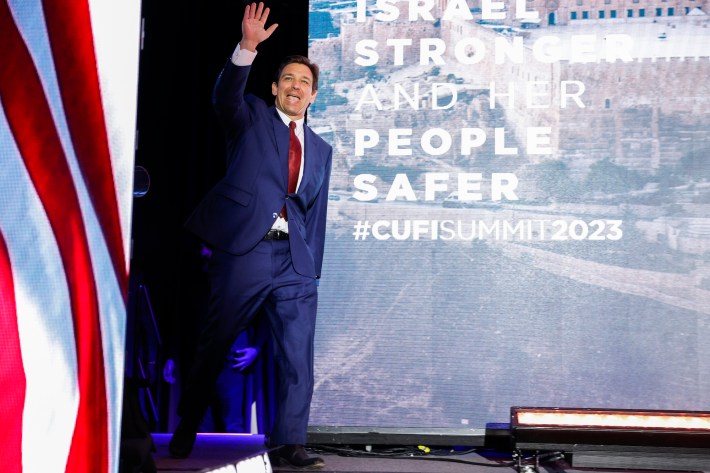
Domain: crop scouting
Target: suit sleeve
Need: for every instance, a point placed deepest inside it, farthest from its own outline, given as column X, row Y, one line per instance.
column 317, row 216
column 228, row 99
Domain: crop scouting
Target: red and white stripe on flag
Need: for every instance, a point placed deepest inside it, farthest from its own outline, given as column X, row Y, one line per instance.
column 68, row 82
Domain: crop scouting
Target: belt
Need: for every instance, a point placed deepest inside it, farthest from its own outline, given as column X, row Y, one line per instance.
column 276, row 235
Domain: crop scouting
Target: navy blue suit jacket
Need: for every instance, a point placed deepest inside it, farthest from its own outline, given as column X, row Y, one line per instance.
column 241, row 208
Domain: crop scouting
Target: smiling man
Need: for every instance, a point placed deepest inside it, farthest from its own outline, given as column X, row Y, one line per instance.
column 265, row 223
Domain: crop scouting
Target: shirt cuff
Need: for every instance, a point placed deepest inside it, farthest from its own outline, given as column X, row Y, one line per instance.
column 242, row 57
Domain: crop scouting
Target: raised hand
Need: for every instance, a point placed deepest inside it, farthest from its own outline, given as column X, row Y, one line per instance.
column 254, row 29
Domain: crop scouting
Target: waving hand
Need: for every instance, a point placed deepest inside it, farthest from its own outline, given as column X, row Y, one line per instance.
column 254, row 29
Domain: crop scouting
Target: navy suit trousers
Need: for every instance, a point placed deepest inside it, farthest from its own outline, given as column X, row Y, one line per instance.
column 241, row 286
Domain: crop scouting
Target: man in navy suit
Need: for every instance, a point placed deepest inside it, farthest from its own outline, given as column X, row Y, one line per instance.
column 267, row 241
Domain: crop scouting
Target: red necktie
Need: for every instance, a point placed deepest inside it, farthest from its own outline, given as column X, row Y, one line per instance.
column 294, row 162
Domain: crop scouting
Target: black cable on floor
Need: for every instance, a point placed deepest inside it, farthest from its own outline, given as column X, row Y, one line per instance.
column 407, row 453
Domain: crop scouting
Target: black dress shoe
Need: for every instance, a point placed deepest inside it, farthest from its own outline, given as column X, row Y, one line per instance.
column 182, row 441
column 295, row 456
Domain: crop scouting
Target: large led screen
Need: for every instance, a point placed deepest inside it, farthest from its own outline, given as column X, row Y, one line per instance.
column 68, row 79
column 519, row 208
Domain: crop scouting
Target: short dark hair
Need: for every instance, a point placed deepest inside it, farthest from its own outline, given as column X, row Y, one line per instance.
column 300, row 60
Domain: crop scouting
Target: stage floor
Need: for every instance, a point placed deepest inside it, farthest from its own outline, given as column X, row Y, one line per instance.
column 211, row 451
column 215, row 450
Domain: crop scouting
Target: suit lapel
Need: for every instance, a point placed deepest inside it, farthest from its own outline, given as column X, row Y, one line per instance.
column 309, row 155
column 281, row 135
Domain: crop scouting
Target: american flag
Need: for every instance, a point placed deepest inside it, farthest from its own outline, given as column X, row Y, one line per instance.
column 68, row 84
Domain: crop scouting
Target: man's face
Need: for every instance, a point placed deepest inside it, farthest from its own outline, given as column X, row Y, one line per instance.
column 294, row 91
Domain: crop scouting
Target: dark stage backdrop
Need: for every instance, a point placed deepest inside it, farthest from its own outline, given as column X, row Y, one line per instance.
column 519, row 209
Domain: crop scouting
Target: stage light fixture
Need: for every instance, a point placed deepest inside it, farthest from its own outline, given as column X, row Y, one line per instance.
column 612, row 438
